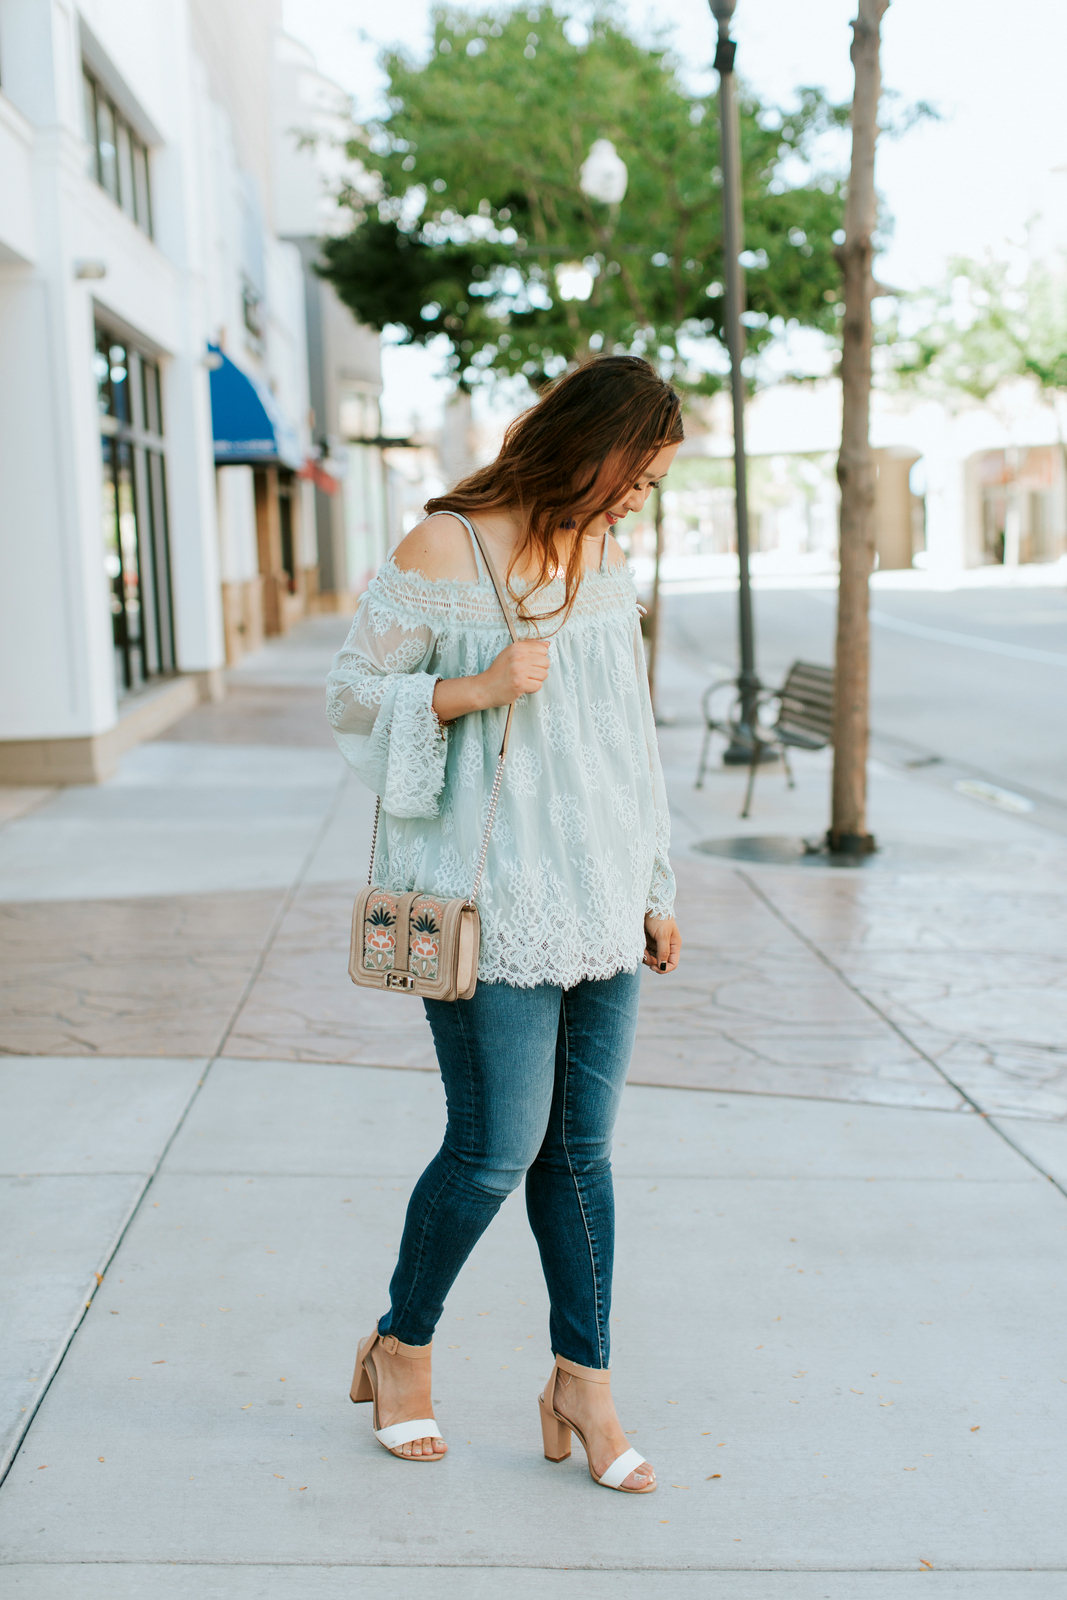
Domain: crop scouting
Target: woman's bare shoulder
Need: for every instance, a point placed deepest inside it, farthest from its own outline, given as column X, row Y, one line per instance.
column 439, row 547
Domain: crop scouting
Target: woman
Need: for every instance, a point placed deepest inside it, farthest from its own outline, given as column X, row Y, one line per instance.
column 577, row 890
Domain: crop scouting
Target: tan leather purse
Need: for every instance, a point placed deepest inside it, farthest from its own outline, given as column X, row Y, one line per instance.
column 418, row 943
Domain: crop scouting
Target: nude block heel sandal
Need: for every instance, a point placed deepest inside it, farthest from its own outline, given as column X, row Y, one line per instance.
column 365, row 1387
column 556, row 1431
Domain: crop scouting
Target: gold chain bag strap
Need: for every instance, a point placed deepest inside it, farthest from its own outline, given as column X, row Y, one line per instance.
column 419, row 943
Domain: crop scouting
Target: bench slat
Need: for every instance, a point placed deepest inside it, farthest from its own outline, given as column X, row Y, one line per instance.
column 806, row 704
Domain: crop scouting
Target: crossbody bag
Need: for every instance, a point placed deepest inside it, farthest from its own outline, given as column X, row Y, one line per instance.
column 419, row 943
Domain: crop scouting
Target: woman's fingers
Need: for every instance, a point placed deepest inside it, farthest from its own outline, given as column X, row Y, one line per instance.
column 520, row 668
column 663, row 944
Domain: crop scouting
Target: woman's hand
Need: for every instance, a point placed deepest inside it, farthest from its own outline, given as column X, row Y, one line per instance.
column 663, row 944
column 519, row 669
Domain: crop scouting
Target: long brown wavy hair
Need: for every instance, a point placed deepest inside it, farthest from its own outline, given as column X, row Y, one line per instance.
column 570, row 458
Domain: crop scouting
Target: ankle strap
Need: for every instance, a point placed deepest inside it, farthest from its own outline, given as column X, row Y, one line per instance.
column 587, row 1374
column 393, row 1347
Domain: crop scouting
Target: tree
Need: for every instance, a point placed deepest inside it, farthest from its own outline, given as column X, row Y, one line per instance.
column 855, row 465
column 990, row 321
column 472, row 221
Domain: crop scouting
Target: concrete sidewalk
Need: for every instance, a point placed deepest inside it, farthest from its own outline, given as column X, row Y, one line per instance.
column 858, row 1080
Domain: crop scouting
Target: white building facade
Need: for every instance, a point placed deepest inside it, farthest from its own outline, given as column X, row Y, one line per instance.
column 141, row 266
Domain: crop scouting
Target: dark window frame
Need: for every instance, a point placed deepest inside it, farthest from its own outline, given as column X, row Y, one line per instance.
column 135, row 513
column 120, row 160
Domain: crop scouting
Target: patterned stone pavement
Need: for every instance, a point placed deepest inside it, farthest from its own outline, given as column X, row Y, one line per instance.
column 928, row 983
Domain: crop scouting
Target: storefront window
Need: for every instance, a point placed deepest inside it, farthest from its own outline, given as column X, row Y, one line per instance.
column 118, row 157
column 134, row 511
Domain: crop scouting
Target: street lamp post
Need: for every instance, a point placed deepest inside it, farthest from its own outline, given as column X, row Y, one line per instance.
column 739, row 751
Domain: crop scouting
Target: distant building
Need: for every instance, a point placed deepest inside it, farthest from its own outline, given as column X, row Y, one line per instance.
column 976, row 485
column 161, row 428
column 351, row 516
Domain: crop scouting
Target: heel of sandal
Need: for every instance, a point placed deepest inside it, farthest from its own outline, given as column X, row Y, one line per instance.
column 556, row 1434
column 361, row 1385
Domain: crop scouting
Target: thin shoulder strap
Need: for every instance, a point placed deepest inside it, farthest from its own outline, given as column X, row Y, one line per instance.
column 506, row 609
column 475, row 541
column 494, row 578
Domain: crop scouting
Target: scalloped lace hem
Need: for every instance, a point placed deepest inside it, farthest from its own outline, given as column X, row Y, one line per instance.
column 562, row 970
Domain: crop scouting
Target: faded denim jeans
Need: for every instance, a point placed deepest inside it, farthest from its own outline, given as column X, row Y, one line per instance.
column 533, row 1079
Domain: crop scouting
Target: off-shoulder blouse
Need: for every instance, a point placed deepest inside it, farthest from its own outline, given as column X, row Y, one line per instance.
column 578, row 854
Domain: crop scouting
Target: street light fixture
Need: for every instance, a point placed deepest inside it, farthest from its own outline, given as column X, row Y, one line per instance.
column 603, row 175
column 739, row 752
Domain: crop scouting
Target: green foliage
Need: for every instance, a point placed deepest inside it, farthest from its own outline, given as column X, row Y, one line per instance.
column 493, row 130
column 984, row 325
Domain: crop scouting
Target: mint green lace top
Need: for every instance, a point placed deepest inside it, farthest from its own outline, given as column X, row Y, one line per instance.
column 578, row 854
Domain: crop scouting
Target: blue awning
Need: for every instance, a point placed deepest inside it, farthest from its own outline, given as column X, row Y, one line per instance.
column 250, row 428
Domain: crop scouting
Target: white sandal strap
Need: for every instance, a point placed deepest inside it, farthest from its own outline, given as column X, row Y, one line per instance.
column 621, row 1469
column 405, row 1432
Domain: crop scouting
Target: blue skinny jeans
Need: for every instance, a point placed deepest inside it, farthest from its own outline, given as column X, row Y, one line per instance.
column 532, row 1079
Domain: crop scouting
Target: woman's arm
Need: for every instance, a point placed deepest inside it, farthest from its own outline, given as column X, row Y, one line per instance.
column 519, row 669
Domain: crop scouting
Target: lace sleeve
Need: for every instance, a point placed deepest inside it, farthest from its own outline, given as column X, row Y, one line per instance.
column 379, row 703
column 661, row 889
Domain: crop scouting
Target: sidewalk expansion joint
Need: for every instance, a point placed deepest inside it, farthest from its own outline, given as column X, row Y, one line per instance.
column 832, row 966
column 272, row 934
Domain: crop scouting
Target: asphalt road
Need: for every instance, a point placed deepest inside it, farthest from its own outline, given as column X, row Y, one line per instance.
column 969, row 700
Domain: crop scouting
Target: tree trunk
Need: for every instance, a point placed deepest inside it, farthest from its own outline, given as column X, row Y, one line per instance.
column 855, row 464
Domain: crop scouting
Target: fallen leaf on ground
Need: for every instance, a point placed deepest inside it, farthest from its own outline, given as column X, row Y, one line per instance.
column 712, row 1475
column 160, row 1363
column 976, row 1427
column 248, row 1407
column 99, row 1276
column 100, row 1458
column 855, row 1391
column 279, row 1474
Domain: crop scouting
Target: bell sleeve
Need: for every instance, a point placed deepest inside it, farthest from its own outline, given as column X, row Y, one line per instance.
column 379, row 699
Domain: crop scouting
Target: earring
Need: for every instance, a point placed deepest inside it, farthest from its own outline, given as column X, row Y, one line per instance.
column 569, row 525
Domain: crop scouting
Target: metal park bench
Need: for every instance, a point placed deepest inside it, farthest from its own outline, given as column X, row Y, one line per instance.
column 804, row 720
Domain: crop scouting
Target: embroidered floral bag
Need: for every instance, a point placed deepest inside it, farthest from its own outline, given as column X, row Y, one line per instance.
column 417, row 943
